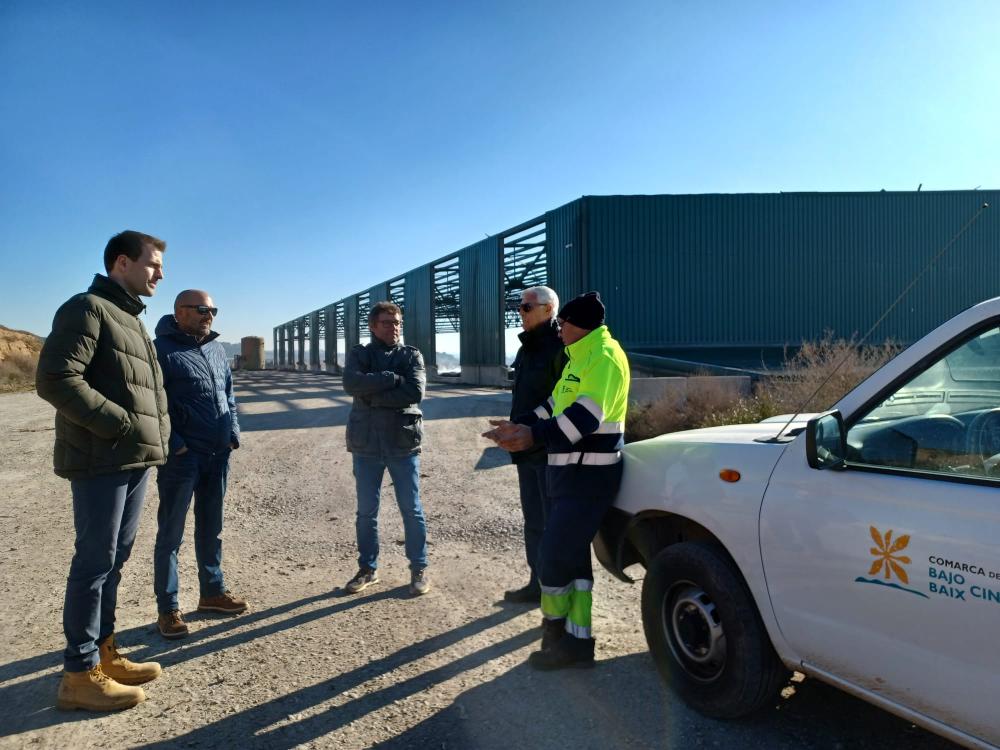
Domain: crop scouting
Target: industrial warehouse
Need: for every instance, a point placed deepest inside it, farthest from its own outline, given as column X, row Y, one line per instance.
column 709, row 283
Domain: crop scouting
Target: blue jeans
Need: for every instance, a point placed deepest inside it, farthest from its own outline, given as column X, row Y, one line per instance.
column 405, row 474
column 106, row 512
column 535, row 508
column 203, row 476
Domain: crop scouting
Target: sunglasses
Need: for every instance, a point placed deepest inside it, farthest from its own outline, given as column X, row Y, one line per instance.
column 527, row 307
column 204, row 309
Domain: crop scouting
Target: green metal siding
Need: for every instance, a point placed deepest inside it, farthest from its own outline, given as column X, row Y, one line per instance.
column 564, row 249
column 775, row 269
column 481, row 301
column 418, row 322
column 330, row 337
column 351, row 337
column 379, row 293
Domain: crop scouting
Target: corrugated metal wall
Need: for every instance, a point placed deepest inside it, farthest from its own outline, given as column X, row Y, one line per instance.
column 775, row 269
column 480, row 269
column 378, row 293
column 730, row 270
column 418, row 322
column 330, row 337
column 564, row 249
column 351, row 337
column 314, row 339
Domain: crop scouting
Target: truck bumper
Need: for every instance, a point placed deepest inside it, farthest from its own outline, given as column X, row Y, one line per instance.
column 611, row 545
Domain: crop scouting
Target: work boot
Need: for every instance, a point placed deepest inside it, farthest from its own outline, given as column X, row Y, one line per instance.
column 364, row 578
column 123, row 671
column 227, row 603
column 567, row 652
column 419, row 585
column 172, row 625
column 530, row 594
column 552, row 631
column 95, row 691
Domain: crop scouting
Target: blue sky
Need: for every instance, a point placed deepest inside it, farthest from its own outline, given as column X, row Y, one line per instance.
column 294, row 153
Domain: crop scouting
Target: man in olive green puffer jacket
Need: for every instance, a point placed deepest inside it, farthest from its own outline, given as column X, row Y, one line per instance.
column 98, row 368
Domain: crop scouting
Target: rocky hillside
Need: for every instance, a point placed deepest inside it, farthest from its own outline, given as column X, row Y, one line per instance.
column 18, row 358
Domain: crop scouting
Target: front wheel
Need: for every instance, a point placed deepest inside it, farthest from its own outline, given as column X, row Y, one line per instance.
column 705, row 633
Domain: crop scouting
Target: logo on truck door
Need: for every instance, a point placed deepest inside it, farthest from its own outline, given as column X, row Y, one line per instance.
column 889, row 562
column 956, row 580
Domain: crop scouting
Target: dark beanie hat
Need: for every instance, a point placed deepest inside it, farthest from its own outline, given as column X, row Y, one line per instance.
column 585, row 311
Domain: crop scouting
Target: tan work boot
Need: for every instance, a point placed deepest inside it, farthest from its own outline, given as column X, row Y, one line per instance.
column 123, row 671
column 95, row 691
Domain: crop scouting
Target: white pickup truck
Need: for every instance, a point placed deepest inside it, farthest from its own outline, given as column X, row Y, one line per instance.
column 860, row 546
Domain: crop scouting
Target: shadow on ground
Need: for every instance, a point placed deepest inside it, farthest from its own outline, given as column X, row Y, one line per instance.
column 621, row 703
column 30, row 704
column 255, row 727
column 275, row 400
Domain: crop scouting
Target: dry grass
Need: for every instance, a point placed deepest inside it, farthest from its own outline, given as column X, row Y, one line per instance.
column 17, row 372
column 810, row 381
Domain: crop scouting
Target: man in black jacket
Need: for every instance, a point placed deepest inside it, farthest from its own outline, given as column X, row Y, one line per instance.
column 384, row 431
column 537, row 367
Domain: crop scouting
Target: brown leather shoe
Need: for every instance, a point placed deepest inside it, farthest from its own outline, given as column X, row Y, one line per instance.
column 172, row 625
column 95, row 691
column 226, row 602
column 123, row 671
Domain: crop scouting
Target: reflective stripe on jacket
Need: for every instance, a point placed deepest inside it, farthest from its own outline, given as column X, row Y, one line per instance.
column 582, row 425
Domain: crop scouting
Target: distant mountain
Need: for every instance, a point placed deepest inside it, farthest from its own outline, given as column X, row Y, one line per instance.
column 231, row 349
column 18, row 359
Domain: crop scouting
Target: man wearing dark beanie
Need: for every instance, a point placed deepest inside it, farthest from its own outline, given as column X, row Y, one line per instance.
column 582, row 427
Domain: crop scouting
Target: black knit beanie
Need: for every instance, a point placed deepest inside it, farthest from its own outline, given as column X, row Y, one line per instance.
column 585, row 311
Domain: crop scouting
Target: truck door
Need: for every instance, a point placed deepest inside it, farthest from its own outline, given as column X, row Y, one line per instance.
column 886, row 574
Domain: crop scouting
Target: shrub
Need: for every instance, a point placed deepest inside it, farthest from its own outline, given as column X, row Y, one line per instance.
column 818, row 375
column 17, row 372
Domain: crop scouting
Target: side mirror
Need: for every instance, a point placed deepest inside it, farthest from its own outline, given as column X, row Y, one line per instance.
column 826, row 441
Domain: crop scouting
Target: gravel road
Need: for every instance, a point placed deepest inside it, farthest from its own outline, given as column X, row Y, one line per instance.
column 310, row 667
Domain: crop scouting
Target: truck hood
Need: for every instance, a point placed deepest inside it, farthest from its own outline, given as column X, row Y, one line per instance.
column 733, row 433
column 679, row 472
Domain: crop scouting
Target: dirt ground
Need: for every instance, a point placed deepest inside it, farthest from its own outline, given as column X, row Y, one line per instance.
column 308, row 667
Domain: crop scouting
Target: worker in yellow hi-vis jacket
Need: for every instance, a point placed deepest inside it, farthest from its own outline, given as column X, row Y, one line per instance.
column 582, row 427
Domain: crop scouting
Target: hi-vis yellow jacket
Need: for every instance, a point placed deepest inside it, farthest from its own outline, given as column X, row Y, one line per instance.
column 583, row 424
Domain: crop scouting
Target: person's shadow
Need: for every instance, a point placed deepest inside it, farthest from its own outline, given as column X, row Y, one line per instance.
column 29, row 704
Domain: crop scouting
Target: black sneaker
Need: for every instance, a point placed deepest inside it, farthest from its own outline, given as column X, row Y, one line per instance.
column 530, row 594
column 364, row 578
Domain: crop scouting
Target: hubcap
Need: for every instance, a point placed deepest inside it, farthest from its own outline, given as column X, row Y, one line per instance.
column 694, row 631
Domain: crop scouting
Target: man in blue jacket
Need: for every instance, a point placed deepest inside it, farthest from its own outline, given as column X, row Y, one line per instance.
column 204, row 431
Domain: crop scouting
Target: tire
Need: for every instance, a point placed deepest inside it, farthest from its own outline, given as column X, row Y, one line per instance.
column 705, row 633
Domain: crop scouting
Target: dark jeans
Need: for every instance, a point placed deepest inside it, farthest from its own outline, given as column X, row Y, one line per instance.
column 535, row 507
column 106, row 512
column 405, row 474
column 203, row 476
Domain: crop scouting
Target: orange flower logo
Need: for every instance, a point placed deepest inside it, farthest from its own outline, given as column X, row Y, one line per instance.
column 885, row 550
